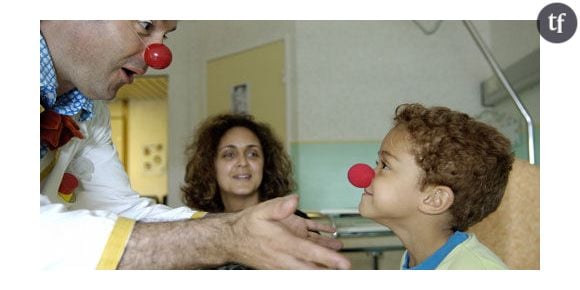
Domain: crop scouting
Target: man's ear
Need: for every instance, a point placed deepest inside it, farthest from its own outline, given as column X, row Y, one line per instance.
column 436, row 200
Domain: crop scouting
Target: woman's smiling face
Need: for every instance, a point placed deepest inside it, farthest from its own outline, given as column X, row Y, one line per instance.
column 239, row 162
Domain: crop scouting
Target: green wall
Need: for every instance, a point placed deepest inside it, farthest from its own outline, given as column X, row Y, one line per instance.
column 520, row 148
column 320, row 172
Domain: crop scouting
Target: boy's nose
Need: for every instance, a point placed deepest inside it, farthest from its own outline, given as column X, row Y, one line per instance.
column 361, row 175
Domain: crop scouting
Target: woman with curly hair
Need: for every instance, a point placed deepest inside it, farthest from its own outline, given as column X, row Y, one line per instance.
column 235, row 162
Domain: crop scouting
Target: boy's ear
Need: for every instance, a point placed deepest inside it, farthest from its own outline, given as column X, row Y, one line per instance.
column 436, row 200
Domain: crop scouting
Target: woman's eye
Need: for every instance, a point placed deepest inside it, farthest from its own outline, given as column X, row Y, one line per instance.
column 228, row 155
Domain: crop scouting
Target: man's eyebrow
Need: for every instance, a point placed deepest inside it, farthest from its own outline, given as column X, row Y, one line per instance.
column 171, row 29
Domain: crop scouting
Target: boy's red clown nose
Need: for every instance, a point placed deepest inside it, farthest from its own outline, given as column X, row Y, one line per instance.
column 361, row 175
column 158, row 56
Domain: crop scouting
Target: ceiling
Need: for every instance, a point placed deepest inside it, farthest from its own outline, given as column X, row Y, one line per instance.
column 145, row 88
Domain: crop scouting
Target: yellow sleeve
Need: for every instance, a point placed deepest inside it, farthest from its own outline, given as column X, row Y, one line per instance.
column 198, row 215
column 116, row 244
column 118, row 240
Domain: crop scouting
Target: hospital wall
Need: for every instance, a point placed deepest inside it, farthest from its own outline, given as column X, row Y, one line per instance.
column 344, row 80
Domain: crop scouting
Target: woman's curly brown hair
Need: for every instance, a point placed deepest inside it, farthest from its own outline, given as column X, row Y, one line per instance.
column 201, row 190
column 455, row 150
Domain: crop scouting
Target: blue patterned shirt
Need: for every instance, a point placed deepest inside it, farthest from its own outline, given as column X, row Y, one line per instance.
column 69, row 104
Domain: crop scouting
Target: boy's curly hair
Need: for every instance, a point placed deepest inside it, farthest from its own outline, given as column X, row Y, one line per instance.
column 455, row 150
column 201, row 190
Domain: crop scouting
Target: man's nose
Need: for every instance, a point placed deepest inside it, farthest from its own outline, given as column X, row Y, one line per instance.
column 158, row 56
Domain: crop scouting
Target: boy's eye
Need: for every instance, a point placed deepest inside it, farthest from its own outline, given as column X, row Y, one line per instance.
column 382, row 164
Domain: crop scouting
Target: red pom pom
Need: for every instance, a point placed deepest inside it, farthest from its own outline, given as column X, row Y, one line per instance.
column 158, row 56
column 361, row 175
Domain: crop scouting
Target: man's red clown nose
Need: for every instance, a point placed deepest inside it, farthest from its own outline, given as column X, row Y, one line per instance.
column 361, row 175
column 158, row 56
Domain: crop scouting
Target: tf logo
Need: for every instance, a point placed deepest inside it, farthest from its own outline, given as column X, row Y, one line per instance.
column 557, row 22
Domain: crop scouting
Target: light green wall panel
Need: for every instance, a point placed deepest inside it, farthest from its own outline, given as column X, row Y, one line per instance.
column 520, row 147
column 320, row 170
